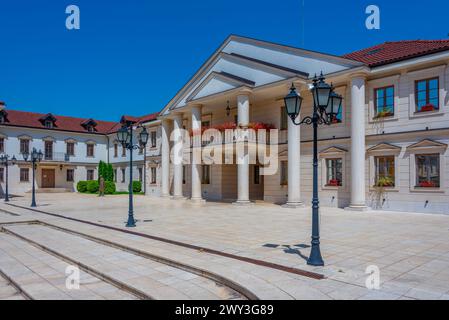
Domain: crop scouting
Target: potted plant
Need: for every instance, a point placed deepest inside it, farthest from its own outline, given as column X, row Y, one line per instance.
column 386, row 181
column 428, row 107
column 384, row 114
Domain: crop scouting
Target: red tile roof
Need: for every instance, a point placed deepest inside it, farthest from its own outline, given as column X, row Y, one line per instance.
column 390, row 52
column 63, row 123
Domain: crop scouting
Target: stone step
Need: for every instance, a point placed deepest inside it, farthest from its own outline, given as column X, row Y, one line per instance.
column 156, row 279
column 42, row 276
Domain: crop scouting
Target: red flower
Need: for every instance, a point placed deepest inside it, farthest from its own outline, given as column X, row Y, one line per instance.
column 428, row 107
column 427, row 184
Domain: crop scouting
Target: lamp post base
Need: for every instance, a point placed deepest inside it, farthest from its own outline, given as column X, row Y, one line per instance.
column 315, row 258
column 131, row 223
column 243, row 203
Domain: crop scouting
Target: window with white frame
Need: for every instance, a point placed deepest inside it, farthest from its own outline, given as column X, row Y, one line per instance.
column 256, row 175
column 384, row 171
column 2, row 174
column 123, row 175
column 427, row 95
column 70, row 148
column 70, row 175
column 153, row 139
column 153, row 175
column 115, row 175
column 24, row 174
column 24, row 146
column 2, row 145
column 90, row 174
column 334, row 172
column 384, row 102
column 90, row 151
column 427, row 170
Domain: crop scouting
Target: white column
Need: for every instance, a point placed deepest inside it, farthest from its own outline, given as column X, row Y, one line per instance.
column 294, row 169
column 196, row 154
column 165, row 159
column 243, row 158
column 358, row 201
column 177, row 156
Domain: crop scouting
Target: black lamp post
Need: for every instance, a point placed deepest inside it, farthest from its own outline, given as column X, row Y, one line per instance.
column 6, row 162
column 35, row 157
column 125, row 137
column 326, row 107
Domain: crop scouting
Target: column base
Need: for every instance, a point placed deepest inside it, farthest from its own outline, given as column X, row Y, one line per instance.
column 197, row 200
column 178, row 198
column 358, row 208
column 293, row 205
column 165, row 196
column 243, row 203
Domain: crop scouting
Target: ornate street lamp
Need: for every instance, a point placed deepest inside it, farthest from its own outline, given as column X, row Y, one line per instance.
column 326, row 106
column 125, row 137
column 35, row 157
column 6, row 162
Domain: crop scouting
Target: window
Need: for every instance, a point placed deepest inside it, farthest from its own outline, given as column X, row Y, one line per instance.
column 123, row 150
column 48, row 150
column 334, row 172
column 90, row 175
column 284, row 119
column 24, row 175
column 205, row 174
column 2, row 144
column 385, row 171
column 70, row 175
column 205, row 124
column 70, row 148
column 256, row 178
column 24, row 146
column 115, row 175
column 90, row 128
column 153, row 139
column 153, row 175
column 123, row 175
column 90, row 150
column 2, row 174
column 183, row 174
column 48, row 124
column 115, row 150
column 427, row 95
column 284, row 173
column 428, row 171
column 384, row 102
column 140, row 174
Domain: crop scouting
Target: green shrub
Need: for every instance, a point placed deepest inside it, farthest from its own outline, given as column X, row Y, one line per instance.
column 93, row 186
column 81, row 186
column 137, row 186
column 109, row 187
column 109, row 173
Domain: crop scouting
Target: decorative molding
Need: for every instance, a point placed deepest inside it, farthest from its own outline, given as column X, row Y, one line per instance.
column 332, row 150
column 49, row 138
column 427, row 145
column 25, row 137
column 384, row 148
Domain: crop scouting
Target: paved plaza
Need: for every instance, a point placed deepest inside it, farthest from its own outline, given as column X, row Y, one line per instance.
column 183, row 250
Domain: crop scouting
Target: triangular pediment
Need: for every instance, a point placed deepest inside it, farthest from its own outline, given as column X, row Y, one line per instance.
column 218, row 82
column 257, row 62
column 384, row 147
column 333, row 150
column 427, row 144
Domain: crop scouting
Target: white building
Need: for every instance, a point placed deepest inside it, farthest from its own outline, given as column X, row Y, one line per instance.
column 72, row 149
column 387, row 151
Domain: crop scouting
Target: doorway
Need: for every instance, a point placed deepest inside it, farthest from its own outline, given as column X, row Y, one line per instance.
column 48, row 178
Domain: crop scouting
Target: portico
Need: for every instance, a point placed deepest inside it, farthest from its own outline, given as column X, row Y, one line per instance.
column 237, row 88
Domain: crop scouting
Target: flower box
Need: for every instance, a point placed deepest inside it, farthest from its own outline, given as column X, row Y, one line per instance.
column 384, row 114
column 334, row 183
column 428, row 107
column 427, row 184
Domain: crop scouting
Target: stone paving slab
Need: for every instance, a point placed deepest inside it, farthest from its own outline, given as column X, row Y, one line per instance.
column 411, row 250
column 89, row 253
column 42, row 276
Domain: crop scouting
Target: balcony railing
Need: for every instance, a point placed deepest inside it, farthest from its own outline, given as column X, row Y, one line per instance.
column 57, row 157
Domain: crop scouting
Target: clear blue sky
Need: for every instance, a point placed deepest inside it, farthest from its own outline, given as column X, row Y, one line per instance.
column 132, row 56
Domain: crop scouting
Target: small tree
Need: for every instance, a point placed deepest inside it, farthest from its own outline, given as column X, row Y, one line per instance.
column 109, row 173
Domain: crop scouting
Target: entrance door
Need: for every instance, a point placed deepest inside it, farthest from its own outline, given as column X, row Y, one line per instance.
column 48, row 178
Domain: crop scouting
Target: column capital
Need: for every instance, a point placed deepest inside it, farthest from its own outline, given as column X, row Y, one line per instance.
column 358, row 75
column 245, row 92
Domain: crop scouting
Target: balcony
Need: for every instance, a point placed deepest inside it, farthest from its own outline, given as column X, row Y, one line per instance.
column 56, row 157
